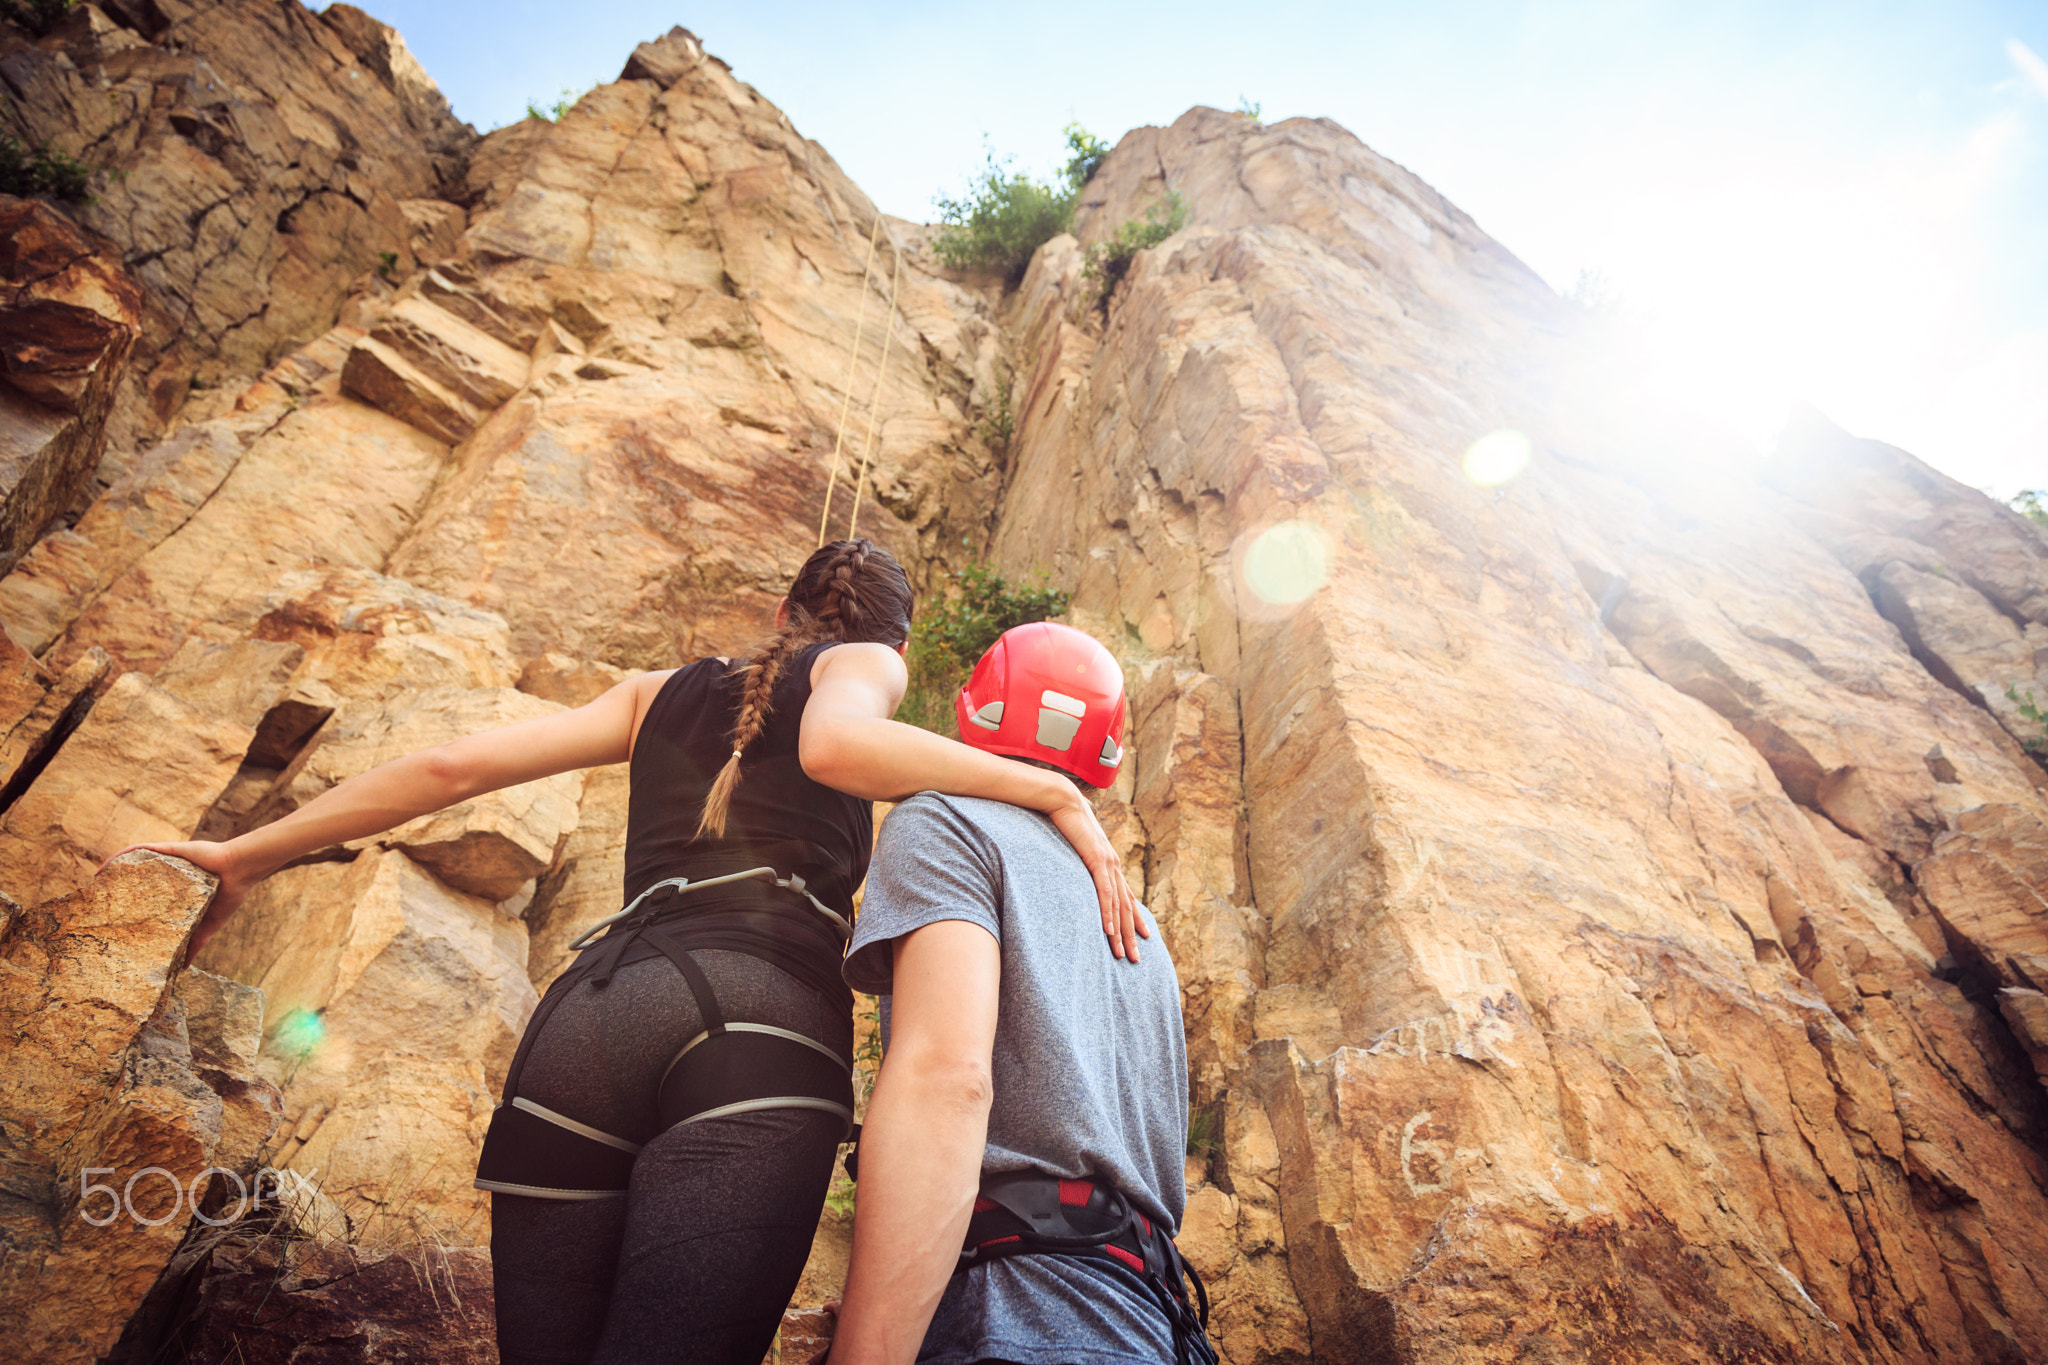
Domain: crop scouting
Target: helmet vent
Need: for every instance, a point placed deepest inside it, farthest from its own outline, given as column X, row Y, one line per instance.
column 1111, row 755
column 1056, row 730
column 989, row 717
column 1060, row 701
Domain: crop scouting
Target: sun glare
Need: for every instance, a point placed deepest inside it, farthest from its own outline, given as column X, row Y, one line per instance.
column 1752, row 283
column 1285, row 563
column 1496, row 458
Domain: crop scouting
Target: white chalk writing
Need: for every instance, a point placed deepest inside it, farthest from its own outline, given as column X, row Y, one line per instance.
column 1447, row 1035
column 1428, row 1150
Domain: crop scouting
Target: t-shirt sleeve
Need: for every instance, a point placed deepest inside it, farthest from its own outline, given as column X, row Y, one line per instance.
column 931, row 864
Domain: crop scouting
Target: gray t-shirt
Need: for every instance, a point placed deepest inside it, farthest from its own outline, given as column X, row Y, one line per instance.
column 1090, row 1068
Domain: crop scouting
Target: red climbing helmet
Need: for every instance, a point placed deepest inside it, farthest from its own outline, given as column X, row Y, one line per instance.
column 1048, row 692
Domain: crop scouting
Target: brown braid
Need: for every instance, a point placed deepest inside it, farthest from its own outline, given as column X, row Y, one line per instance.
column 850, row 590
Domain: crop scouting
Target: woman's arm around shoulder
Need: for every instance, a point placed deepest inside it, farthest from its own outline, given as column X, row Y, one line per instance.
column 600, row 732
column 849, row 742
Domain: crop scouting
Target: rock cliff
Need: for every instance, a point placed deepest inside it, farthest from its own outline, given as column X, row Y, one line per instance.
column 1611, row 901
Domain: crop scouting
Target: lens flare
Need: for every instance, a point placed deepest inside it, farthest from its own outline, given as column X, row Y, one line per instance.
column 299, row 1032
column 1286, row 563
column 1497, row 457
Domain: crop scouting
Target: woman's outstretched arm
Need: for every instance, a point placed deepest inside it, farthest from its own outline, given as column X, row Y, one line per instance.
column 392, row 793
column 849, row 743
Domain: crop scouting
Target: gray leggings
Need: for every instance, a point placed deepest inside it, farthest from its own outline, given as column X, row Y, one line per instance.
column 699, row 1259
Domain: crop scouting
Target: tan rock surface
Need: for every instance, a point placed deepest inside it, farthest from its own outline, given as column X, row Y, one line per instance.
column 393, row 1003
column 117, row 1064
column 571, row 682
column 426, row 366
column 69, row 314
column 1541, row 945
column 242, row 682
column 273, row 514
column 489, row 845
column 23, row 682
column 143, row 767
column 369, row 638
column 66, row 571
column 50, row 715
column 588, row 879
column 1967, row 643
column 1866, row 501
column 699, row 265
column 1607, row 904
column 265, row 155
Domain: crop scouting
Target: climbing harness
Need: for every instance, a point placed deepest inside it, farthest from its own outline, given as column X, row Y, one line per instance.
column 1025, row 1213
column 588, row 938
column 846, row 386
column 868, row 446
column 728, row 1068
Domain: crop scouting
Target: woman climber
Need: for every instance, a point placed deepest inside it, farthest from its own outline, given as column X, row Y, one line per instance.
column 666, row 1138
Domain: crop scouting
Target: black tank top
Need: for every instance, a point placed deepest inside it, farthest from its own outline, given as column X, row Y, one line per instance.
column 779, row 818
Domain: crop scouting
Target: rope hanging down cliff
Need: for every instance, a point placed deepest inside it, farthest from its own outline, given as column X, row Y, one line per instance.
column 868, row 446
column 846, row 385
column 874, row 393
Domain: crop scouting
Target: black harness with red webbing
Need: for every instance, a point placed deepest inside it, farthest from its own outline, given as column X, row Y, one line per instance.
column 1027, row 1213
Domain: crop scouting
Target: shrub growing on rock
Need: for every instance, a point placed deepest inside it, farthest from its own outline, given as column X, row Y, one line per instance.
column 40, row 169
column 37, row 16
column 1110, row 261
column 1005, row 215
column 2031, row 503
column 553, row 113
column 952, row 631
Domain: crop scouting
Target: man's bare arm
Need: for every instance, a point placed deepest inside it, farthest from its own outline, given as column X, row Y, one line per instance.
column 921, row 1147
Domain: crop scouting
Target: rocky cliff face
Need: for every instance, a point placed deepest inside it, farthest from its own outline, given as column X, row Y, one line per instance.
column 1610, row 904
column 1632, row 948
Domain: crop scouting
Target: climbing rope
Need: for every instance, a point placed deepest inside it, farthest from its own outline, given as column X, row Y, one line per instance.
column 868, row 446
column 846, row 386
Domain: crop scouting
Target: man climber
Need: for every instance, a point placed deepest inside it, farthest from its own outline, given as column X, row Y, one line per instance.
column 1021, row 1165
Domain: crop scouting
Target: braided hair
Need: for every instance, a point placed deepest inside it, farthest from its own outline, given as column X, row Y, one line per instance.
column 847, row 591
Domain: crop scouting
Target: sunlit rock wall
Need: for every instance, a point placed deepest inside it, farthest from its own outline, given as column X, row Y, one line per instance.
column 252, row 160
column 1626, row 945
column 592, row 431
column 1609, row 901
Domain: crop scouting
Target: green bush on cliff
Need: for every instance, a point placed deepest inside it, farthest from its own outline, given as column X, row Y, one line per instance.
column 27, row 171
column 1110, row 261
column 954, row 629
column 552, row 113
column 37, row 16
column 2029, row 709
column 2031, row 503
column 1006, row 215
column 1086, row 153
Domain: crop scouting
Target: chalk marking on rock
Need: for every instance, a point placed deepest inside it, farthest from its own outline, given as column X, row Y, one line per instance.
column 1475, row 970
column 1430, row 1147
column 1807, row 1298
column 1475, row 1042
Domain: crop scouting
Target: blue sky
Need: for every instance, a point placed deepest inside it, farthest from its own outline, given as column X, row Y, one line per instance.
column 1841, row 203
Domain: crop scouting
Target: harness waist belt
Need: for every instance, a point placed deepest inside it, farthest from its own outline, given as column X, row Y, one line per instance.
column 1024, row 1213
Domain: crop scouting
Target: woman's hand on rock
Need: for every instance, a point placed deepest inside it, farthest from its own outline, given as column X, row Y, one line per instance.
column 227, row 897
